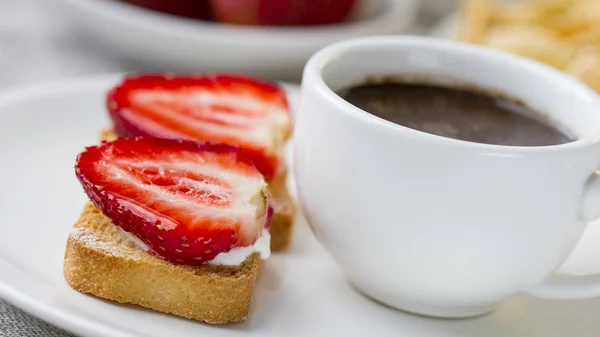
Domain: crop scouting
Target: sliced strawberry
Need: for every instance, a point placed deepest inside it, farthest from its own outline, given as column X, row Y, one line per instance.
column 189, row 201
column 219, row 108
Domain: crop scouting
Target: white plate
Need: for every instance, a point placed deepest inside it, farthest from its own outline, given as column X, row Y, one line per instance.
column 300, row 293
column 178, row 44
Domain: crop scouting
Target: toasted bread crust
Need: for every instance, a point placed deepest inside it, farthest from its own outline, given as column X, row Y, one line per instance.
column 284, row 209
column 101, row 260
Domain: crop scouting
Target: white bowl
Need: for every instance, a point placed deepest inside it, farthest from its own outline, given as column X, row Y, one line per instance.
column 177, row 44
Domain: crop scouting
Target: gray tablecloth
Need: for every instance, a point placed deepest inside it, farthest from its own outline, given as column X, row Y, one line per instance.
column 37, row 44
column 16, row 323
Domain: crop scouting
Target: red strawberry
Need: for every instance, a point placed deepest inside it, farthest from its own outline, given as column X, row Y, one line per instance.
column 195, row 9
column 189, row 201
column 327, row 11
column 219, row 108
column 281, row 12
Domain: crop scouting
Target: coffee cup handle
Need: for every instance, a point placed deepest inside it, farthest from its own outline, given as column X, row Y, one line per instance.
column 564, row 286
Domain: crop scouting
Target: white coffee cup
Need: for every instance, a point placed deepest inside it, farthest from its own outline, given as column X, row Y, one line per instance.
column 439, row 226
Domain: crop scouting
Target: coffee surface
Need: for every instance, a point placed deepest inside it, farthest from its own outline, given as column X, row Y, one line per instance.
column 457, row 113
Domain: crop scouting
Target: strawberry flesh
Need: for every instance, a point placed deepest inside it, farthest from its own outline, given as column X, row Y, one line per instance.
column 228, row 109
column 189, row 201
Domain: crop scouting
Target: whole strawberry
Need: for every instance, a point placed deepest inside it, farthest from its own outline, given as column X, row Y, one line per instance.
column 281, row 12
column 195, row 9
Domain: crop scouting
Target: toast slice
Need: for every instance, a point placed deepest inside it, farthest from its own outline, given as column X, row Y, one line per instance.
column 284, row 208
column 101, row 260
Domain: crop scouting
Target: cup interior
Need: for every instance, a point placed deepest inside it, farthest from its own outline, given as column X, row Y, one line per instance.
column 566, row 102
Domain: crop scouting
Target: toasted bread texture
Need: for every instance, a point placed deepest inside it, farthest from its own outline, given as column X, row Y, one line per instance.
column 284, row 209
column 102, row 260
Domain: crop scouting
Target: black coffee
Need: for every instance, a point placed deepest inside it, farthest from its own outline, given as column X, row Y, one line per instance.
column 457, row 113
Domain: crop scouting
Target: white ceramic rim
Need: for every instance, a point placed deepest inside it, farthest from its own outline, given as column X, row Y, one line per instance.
column 398, row 16
column 320, row 59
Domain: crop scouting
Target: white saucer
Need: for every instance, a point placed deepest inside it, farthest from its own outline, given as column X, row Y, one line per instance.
column 177, row 44
column 300, row 293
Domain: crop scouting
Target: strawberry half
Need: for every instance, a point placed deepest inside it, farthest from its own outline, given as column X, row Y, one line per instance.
column 234, row 110
column 189, row 201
